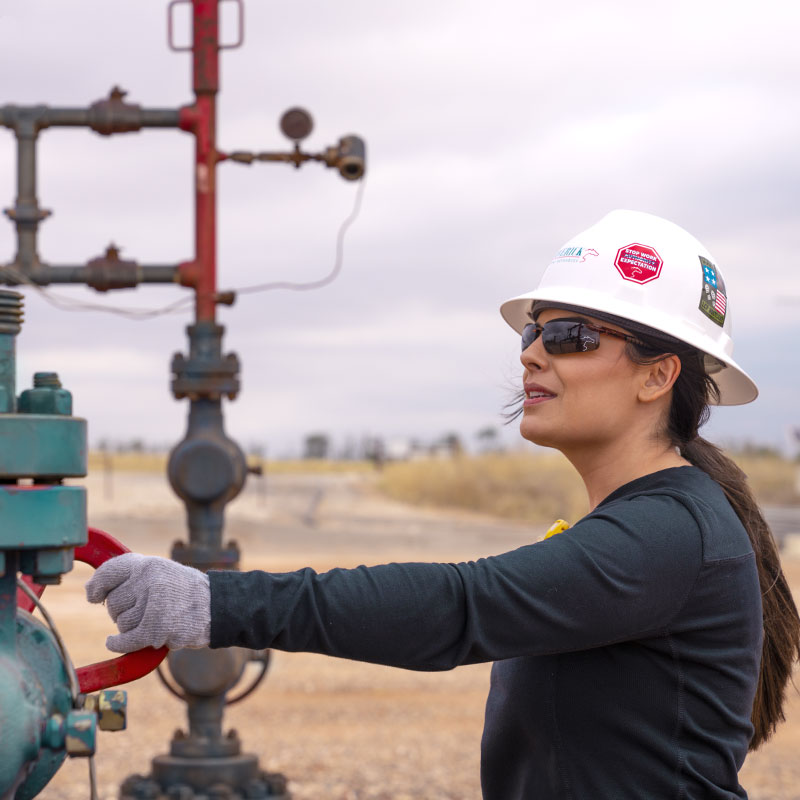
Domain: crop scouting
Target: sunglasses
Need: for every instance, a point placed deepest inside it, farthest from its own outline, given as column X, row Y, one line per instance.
column 568, row 336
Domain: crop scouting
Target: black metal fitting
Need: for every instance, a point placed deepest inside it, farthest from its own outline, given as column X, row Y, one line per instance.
column 207, row 466
column 206, row 556
column 206, row 372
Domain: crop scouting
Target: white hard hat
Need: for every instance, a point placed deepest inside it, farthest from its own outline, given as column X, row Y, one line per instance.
column 642, row 268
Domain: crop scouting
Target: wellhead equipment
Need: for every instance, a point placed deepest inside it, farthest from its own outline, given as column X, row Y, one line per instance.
column 43, row 522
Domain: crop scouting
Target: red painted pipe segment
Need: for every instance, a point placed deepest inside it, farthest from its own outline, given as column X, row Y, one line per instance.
column 113, row 671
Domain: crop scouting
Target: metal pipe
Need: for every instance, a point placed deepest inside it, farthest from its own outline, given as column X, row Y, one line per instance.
column 27, row 259
column 26, row 165
column 8, row 602
column 12, row 116
column 26, row 213
column 155, row 273
column 205, row 72
column 205, row 717
column 105, row 117
column 49, row 117
column 85, row 117
column 99, row 274
column 145, row 273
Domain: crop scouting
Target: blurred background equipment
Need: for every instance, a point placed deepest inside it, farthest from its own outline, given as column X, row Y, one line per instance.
column 206, row 469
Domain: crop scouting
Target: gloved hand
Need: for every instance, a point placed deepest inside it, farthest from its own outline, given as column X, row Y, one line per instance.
column 154, row 601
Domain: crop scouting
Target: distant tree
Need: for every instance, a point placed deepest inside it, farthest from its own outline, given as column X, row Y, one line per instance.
column 452, row 444
column 317, row 445
column 374, row 450
column 348, row 451
column 487, row 439
column 750, row 448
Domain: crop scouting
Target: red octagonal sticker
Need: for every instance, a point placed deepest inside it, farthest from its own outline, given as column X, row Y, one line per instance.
column 638, row 263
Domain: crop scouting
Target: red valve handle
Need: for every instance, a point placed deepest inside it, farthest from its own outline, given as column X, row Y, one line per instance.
column 113, row 671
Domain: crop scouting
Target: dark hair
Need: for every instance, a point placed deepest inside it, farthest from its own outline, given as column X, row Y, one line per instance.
column 692, row 392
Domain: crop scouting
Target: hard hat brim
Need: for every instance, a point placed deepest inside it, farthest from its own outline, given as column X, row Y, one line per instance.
column 736, row 387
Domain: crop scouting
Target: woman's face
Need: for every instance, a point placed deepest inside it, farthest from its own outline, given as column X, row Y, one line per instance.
column 578, row 400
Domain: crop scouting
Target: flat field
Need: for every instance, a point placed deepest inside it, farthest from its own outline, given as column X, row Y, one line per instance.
column 338, row 730
column 535, row 486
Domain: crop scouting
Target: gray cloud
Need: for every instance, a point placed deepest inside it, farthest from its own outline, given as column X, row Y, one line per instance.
column 494, row 135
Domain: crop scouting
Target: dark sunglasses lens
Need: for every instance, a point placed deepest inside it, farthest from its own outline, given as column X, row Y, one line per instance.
column 563, row 336
column 530, row 333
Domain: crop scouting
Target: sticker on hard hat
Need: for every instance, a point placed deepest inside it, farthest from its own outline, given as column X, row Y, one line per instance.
column 638, row 263
column 573, row 255
column 713, row 302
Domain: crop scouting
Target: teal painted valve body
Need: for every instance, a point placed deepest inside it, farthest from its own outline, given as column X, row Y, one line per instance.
column 34, row 688
column 41, row 522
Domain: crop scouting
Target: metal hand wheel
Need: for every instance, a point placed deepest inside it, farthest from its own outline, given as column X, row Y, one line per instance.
column 113, row 671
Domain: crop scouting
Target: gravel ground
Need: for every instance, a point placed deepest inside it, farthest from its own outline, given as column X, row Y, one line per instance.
column 338, row 730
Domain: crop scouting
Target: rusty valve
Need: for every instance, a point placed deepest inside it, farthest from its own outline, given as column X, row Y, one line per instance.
column 114, row 115
column 109, row 271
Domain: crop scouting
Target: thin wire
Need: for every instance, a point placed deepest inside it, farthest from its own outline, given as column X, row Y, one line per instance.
column 229, row 701
column 337, row 265
column 65, row 303
column 73, row 676
column 168, row 685
column 92, row 780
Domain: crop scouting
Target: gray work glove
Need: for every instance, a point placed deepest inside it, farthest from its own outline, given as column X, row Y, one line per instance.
column 154, row 601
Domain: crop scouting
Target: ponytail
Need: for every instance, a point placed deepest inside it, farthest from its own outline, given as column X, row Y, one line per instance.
column 691, row 394
column 781, row 625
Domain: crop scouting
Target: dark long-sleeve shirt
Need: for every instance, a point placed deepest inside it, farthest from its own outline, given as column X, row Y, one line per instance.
column 627, row 648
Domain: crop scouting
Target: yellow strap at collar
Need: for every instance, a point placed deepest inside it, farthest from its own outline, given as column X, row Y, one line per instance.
column 559, row 526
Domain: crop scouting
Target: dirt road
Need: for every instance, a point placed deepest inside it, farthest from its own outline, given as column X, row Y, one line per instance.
column 337, row 729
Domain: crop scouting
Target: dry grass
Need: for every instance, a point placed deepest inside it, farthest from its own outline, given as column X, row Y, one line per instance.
column 317, row 466
column 775, row 480
column 522, row 486
column 541, row 487
column 530, row 487
column 131, row 461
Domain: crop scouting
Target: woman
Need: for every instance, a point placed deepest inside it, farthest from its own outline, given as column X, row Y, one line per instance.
column 638, row 654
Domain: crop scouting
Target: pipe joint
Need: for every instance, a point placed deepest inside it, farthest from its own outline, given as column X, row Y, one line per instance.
column 26, row 121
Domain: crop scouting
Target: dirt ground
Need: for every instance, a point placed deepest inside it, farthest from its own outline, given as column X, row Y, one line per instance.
column 336, row 729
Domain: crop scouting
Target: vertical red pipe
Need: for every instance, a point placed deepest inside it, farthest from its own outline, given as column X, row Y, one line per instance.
column 205, row 54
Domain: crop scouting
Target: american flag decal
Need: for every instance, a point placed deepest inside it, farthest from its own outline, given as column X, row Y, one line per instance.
column 713, row 302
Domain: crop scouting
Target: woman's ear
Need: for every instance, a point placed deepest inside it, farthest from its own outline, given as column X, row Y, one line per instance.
column 659, row 378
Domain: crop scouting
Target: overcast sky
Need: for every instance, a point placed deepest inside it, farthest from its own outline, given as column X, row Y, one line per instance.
column 495, row 132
